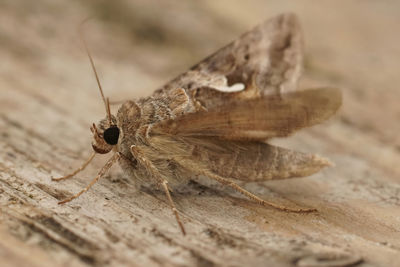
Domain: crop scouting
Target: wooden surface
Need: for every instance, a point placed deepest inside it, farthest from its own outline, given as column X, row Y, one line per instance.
column 48, row 99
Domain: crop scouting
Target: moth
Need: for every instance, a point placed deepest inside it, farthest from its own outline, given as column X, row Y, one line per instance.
column 214, row 120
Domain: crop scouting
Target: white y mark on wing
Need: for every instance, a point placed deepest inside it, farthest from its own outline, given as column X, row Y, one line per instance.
column 237, row 87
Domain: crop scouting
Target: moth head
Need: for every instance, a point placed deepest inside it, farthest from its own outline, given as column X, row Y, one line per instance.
column 105, row 135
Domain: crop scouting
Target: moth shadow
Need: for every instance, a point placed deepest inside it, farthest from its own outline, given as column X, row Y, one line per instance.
column 196, row 189
column 204, row 191
column 190, row 189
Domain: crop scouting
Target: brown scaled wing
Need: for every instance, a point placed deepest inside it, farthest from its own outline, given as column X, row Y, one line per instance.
column 226, row 135
column 258, row 118
column 227, row 139
column 266, row 60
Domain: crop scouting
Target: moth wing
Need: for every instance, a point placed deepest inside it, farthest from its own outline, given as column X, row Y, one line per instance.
column 254, row 162
column 246, row 161
column 256, row 119
column 265, row 60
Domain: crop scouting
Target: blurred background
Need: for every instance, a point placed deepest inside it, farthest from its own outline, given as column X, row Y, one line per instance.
column 49, row 98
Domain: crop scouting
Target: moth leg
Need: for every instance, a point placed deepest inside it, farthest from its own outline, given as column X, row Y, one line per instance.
column 103, row 170
column 81, row 168
column 251, row 196
column 162, row 181
column 173, row 207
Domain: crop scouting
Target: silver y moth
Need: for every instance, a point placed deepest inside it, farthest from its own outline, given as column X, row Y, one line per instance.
column 215, row 119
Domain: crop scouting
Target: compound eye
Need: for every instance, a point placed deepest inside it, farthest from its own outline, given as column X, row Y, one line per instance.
column 111, row 135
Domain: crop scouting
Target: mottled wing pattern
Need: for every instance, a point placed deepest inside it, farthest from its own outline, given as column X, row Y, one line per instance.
column 239, row 97
column 257, row 119
column 265, row 60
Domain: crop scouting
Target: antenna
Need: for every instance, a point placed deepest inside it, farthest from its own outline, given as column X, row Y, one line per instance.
column 106, row 102
column 108, row 109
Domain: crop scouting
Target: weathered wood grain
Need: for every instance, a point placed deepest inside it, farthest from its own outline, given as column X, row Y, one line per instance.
column 48, row 99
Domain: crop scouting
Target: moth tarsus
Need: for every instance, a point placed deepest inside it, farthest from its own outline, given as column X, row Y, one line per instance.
column 102, row 172
column 84, row 165
column 198, row 125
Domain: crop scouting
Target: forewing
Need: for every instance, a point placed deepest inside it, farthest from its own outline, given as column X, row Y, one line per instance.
column 257, row 119
column 265, row 60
